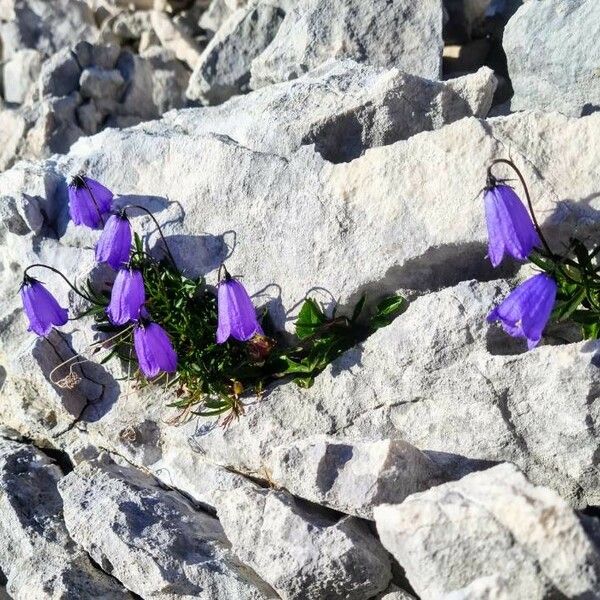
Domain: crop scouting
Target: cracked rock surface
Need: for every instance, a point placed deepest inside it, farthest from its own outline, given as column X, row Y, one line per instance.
column 437, row 459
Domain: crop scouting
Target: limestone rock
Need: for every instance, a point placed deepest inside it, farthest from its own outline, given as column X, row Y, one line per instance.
column 223, row 70
column 491, row 524
column 175, row 39
column 552, row 49
column 344, row 108
column 45, row 26
column 12, row 129
column 353, row 477
column 37, row 556
column 19, row 74
column 423, row 380
column 400, row 33
column 152, row 539
column 99, row 83
column 60, row 74
column 304, row 553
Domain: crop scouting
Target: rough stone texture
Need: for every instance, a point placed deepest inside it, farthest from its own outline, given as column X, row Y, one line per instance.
column 223, row 70
column 45, row 26
column 344, row 108
column 553, row 50
column 175, row 39
column 401, row 33
column 455, row 388
column 438, row 537
column 152, row 539
column 60, row 74
column 303, row 552
column 12, row 130
column 353, row 477
column 19, row 74
column 37, row 556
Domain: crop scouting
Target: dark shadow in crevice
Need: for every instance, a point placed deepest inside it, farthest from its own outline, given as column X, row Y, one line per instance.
column 456, row 466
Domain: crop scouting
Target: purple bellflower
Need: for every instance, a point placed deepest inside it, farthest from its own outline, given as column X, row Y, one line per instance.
column 41, row 307
column 525, row 312
column 237, row 316
column 127, row 297
column 89, row 202
column 510, row 228
column 154, row 350
column 114, row 244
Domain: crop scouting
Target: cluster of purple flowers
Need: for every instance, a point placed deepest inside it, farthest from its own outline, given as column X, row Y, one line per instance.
column 524, row 312
column 90, row 204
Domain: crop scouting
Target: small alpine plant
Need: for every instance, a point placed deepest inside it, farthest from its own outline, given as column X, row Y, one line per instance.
column 568, row 285
column 210, row 346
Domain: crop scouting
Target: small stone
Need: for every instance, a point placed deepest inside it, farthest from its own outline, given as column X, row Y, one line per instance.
column 174, row 38
column 99, row 83
column 89, row 117
column 60, row 74
column 19, row 74
column 223, row 70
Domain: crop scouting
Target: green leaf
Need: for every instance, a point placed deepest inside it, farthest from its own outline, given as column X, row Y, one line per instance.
column 387, row 310
column 310, row 318
column 358, row 308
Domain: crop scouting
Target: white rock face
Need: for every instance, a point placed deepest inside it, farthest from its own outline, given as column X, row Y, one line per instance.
column 438, row 537
column 303, row 552
column 344, row 108
column 152, row 539
column 400, row 33
column 553, row 48
column 37, row 556
column 353, row 476
column 387, row 212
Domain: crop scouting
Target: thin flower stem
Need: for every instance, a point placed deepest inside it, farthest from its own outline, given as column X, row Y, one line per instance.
column 162, row 237
column 514, row 167
column 78, row 292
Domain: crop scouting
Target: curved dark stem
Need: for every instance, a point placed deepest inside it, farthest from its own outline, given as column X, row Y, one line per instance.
column 78, row 292
column 514, row 167
column 162, row 237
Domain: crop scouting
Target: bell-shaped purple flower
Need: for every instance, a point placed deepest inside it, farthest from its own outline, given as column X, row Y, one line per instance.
column 41, row 307
column 89, row 202
column 154, row 350
column 127, row 297
column 237, row 316
column 114, row 244
column 510, row 228
column 525, row 312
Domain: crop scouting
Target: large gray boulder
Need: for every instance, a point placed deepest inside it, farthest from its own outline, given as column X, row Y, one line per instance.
column 37, row 556
column 305, row 553
column 150, row 538
column 553, row 50
column 397, row 33
column 491, row 531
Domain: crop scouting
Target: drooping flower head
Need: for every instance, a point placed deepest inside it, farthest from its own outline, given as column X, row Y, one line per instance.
column 525, row 311
column 41, row 307
column 153, row 349
column 237, row 316
column 127, row 297
column 89, row 202
column 510, row 228
column 114, row 244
